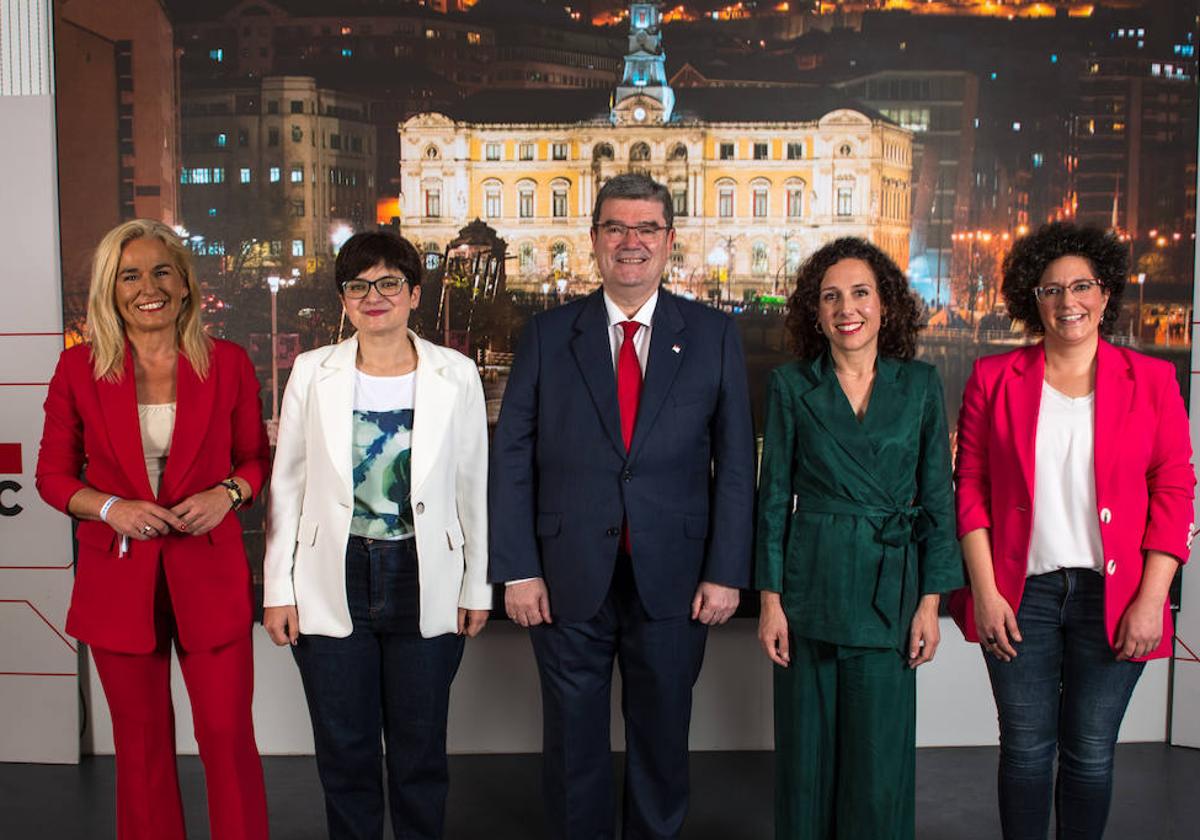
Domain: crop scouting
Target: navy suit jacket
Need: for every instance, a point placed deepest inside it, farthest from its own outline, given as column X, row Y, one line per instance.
column 561, row 481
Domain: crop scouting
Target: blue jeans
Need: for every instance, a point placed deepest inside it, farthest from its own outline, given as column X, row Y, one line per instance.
column 1063, row 694
column 382, row 677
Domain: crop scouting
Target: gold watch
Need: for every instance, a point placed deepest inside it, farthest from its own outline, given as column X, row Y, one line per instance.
column 236, row 500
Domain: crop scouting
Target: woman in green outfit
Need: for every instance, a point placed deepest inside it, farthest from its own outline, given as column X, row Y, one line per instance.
column 855, row 542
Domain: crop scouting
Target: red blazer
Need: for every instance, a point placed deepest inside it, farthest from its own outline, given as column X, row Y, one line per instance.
column 1143, row 463
column 93, row 425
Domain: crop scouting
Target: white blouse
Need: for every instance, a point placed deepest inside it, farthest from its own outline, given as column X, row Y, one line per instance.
column 1066, row 528
column 157, row 422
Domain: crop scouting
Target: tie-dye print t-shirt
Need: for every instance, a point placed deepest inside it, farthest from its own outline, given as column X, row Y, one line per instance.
column 383, row 422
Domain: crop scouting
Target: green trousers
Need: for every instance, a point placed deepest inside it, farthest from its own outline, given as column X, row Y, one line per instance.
column 845, row 744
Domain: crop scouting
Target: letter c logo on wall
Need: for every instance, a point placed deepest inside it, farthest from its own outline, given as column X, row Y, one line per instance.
column 10, row 464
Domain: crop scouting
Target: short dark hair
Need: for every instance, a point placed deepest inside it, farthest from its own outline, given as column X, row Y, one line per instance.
column 364, row 251
column 1031, row 256
column 635, row 185
column 901, row 317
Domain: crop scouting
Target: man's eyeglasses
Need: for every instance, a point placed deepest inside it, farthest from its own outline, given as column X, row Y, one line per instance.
column 615, row 231
column 1083, row 289
column 358, row 288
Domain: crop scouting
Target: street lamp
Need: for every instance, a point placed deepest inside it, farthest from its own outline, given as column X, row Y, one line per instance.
column 275, row 283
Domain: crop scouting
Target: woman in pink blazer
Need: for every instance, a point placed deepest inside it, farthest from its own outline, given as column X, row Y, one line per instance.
column 1074, row 496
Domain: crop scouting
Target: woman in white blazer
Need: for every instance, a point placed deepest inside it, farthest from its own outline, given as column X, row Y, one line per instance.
column 376, row 561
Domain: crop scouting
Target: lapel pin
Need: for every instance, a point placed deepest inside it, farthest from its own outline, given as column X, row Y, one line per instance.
column 675, row 348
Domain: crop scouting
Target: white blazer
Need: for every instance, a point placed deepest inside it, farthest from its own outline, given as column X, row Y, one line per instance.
column 312, row 489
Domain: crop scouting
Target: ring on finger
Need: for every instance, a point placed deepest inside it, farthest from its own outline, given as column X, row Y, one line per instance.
column 147, row 530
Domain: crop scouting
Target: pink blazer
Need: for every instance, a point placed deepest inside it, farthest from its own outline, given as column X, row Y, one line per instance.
column 1143, row 462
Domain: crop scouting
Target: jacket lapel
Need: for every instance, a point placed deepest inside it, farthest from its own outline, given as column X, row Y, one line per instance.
column 667, row 348
column 433, row 404
column 335, row 404
column 194, row 399
column 592, row 349
column 1023, row 392
column 829, row 407
column 118, row 403
column 1114, row 394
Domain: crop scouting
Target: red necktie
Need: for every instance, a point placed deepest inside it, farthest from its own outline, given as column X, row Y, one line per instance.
column 629, row 381
column 629, row 390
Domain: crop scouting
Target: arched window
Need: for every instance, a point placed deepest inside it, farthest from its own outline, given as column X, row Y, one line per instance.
column 525, row 259
column 602, row 151
column 678, row 152
column 845, row 150
column 558, row 198
column 795, row 198
column 493, row 204
column 760, row 191
column 639, row 151
column 559, row 256
column 725, row 191
column 793, row 258
column 758, row 258
column 433, row 255
column 525, row 194
column 431, row 152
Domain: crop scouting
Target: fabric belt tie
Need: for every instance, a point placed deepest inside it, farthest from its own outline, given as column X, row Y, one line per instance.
column 898, row 529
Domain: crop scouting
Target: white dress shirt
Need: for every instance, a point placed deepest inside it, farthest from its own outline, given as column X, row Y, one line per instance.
column 641, row 338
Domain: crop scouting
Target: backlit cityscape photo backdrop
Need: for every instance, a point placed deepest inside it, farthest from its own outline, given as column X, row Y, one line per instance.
column 269, row 131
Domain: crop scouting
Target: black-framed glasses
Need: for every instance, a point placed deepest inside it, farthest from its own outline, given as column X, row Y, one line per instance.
column 357, row 289
column 1083, row 288
column 647, row 233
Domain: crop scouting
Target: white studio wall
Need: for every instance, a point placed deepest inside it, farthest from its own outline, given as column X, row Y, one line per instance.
column 496, row 702
column 38, row 662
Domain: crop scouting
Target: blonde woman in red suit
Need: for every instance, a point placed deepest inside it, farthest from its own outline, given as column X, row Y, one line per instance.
column 153, row 437
column 1074, row 495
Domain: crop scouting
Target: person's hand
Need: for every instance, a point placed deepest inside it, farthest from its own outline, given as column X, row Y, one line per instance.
column 140, row 520
column 204, row 511
column 924, row 634
column 528, row 603
column 773, row 630
column 713, row 603
column 997, row 625
column 1140, row 629
column 282, row 624
column 470, row 622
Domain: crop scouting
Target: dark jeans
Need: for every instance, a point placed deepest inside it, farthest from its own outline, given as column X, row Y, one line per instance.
column 1064, row 693
column 383, row 676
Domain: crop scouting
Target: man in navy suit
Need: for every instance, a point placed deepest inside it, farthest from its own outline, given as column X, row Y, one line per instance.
column 621, row 497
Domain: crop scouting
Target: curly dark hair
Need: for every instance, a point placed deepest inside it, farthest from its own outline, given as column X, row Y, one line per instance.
column 1030, row 256
column 901, row 315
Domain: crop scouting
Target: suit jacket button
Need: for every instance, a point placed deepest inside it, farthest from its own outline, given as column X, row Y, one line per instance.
column 613, row 532
column 420, row 507
column 1105, row 515
column 627, row 475
column 1112, row 567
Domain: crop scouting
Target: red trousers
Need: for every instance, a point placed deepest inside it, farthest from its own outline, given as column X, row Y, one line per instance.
column 220, row 685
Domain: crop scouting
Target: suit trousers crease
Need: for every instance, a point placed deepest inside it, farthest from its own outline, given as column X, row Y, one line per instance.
column 660, row 661
column 845, row 743
column 220, row 686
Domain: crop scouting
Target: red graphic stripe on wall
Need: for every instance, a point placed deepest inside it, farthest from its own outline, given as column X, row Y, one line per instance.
column 10, row 459
column 38, row 613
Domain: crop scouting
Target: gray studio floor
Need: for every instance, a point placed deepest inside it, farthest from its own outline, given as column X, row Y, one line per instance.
column 1157, row 797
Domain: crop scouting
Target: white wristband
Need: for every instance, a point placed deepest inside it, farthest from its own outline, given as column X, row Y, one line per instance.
column 108, row 503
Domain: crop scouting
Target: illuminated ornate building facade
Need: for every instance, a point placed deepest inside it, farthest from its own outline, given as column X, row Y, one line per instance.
column 759, row 180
